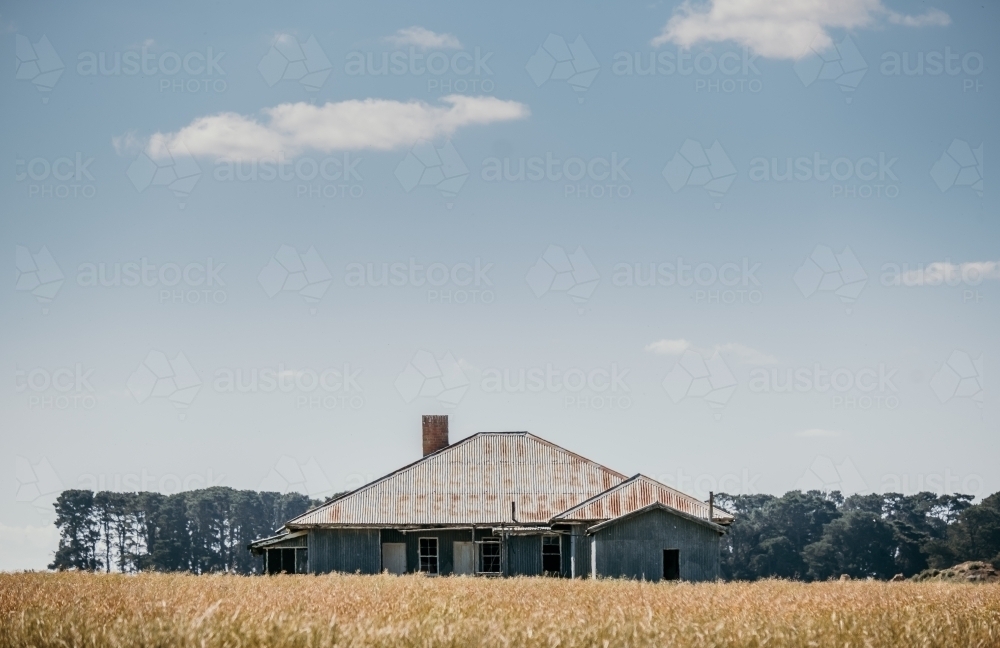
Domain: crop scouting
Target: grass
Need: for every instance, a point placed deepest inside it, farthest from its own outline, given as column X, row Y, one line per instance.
column 78, row 609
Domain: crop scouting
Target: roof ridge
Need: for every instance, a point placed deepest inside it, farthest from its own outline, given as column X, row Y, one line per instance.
column 437, row 453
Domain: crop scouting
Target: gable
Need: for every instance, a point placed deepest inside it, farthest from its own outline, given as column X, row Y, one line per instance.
column 637, row 493
column 473, row 481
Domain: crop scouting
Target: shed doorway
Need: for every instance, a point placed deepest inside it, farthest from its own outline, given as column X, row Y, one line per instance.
column 671, row 564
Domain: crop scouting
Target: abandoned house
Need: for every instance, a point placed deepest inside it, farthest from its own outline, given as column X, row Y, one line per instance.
column 504, row 504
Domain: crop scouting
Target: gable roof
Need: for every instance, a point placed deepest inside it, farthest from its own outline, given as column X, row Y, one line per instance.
column 653, row 507
column 472, row 481
column 636, row 493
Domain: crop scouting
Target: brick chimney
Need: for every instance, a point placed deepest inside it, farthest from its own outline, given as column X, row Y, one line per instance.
column 435, row 432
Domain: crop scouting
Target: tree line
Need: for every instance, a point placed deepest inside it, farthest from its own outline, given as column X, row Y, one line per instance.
column 199, row 531
column 816, row 536
column 800, row 535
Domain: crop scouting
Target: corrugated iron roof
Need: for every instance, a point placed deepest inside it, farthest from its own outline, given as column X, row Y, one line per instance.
column 655, row 505
column 473, row 481
column 636, row 493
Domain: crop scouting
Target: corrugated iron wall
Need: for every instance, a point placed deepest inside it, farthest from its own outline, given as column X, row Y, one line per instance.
column 633, row 548
column 344, row 550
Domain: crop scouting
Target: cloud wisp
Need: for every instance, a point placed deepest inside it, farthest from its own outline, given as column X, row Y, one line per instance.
column 947, row 273
column 423, row 38
column 745, row 354
column 372, row 124
column 781, row 29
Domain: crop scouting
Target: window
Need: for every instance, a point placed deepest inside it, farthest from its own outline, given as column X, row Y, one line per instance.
column 551, row 554
column 429, row 555
column 671, row 564
column 287, row 560
column 489, row 556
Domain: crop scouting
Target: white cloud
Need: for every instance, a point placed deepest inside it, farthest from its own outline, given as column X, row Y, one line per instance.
column 668, row 347
column 945, row 272
column 128, row 144
column 423, row 38
column 817, row 432
column 293, row 128
column 781, row 29
column 745, row 354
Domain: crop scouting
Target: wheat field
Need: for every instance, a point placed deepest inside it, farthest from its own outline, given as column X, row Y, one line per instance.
column 78, row 609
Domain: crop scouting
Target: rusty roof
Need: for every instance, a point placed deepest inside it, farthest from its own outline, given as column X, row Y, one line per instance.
column 472, row 481
column 637, row 493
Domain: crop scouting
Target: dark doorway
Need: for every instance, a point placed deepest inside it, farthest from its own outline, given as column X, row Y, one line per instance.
column 289, row 561
column 551, row 555
column 671, row 564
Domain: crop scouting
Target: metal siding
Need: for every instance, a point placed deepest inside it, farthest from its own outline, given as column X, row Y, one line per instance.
column 524, row 555
column 473, row 482
column 634, row 547
column 344, row 550
column 638, row 492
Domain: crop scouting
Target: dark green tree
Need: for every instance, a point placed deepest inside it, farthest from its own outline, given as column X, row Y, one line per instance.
column 78, row 534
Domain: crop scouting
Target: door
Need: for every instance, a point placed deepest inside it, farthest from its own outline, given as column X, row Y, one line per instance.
column 465, row 558
column 394, row 557
column 671, row 564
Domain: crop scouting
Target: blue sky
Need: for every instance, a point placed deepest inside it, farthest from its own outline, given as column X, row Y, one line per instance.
column 245, row 257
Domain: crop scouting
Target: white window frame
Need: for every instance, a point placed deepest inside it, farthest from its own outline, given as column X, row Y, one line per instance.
column 492, row 541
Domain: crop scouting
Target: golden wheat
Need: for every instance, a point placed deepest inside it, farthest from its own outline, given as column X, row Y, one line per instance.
column 78, row 609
